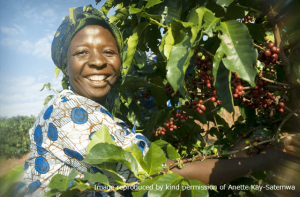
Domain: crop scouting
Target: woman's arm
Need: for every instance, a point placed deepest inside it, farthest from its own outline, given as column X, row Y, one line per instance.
column 218, row 171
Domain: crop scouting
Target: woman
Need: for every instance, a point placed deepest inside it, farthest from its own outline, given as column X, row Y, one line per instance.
column 87, row 49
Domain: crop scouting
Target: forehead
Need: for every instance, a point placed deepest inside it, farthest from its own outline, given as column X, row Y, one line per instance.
column 92, row 34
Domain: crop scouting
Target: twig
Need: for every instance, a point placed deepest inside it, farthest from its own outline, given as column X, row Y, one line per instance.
column 257, row 46
column 205, row 51
column 283, row 122
column 248, row 8
column 213, row 110
column 158, row 23
column 272, row 81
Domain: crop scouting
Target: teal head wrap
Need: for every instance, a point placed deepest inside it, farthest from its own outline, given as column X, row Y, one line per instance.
column 78, row 18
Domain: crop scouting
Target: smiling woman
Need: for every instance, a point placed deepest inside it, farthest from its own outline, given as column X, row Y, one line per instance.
column 87, row 49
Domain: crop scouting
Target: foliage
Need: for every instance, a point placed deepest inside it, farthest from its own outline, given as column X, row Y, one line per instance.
column 14, row 136
column 204, row 57
column 10, row 180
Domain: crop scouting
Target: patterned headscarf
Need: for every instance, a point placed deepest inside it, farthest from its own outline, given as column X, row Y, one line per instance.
column 78, row 18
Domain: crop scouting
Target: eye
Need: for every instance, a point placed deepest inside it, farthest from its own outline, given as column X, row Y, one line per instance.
column 109, row 52
column 79, row 53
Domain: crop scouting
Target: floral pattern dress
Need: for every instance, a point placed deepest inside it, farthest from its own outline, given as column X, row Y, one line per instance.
column 59, row 140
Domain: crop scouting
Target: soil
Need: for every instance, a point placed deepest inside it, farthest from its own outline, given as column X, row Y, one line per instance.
column 7, row 164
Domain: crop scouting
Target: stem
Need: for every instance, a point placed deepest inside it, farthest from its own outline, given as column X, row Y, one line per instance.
column 248, row 8
column 205, row 51
column 283, row 122
column 257, row 46
column 272, row 81
column 158, row 23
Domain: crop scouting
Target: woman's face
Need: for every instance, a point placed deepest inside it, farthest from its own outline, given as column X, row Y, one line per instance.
column 93, row 64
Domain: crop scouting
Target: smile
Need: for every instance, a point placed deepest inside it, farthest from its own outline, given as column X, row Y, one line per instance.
column 97, row 77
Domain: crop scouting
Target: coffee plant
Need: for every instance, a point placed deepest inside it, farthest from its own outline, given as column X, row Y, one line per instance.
column 14, row 135
column 185, row 63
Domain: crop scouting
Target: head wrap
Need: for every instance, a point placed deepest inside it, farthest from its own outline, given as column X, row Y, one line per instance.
column 78, row 18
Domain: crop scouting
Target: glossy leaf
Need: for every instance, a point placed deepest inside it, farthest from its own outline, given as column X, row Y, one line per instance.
column 169, row 150
column 257, row 32
column 134, row 114
column 239, row 49
column 196, row 18
column 56, row 71
column 138, row 155
column 103, row 152
column 173, row 10
column 165, row 182
column 222, row 81
column 145, row 186
column 152, row 3
column 98, row 177
column 154, row 158
column 153, row 120
column 224, row 3
column 210, row 22
column 62, row 182
column 193, row 188
column 178, row 62
column 100, row 136
column 132, row 43
column 9, row 181
column 120, row 14
column 107, row 6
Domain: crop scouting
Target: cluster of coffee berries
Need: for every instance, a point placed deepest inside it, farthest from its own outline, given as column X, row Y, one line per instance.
column 168, row 126
column 269, row 55
column 183, row 117
column 145, row 94
column 248, row 19
column 237, row 90
column 214, row 98
column 196, row 105
column 169, row 90
column 260, row 88
column 280, row 107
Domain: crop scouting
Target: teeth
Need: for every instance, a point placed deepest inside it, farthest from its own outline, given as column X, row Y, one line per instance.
column 97, row 77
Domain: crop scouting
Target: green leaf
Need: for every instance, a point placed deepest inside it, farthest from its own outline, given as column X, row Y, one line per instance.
column 135, row 10
column 132, row 43
column 52, row 192
column 144, row 186
column 159, row 95
column 222, row 81
column 166, row 181
column 81, row 187
column 56, row 71
column 154, row 158
column 239, row 49
column 121, row 14
column 110, row 170
column 178, row 62
column 196, row 17
column 107, row 6
column 224, row 3
column 138, row 155
column 153, row 2
column 257, row 32
column 9, row 181
column 146, row 15
column 210, row 22
column 170, row 151
column 134, row 114
column 100, row 136
column 234, row 12
column 188, row 185
column 173, row 10
column 98, row 177
column 62, row 182
column 103, row 152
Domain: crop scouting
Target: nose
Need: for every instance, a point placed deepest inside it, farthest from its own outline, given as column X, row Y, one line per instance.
column 97, row 59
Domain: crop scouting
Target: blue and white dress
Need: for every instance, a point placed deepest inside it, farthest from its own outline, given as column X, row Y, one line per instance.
column 59, row 140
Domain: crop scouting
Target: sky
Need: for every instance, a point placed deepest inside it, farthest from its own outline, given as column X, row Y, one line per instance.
column 27, row 28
